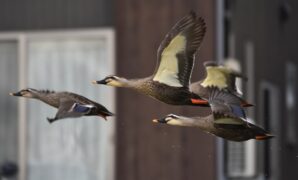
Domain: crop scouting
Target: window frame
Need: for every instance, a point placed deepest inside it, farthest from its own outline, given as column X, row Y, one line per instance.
column 249, row 146
column 274, row 128
column 22, row 39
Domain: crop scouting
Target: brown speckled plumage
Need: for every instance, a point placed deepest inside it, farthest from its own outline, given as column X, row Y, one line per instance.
column 230, row 132
column 163, row 92
column 227, row 119
column 175, row 58
column 64, row 102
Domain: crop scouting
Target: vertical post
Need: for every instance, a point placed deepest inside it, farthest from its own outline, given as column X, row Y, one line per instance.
column 219, row 30
column 110, row 168
column 219, row 57
column 21, row 107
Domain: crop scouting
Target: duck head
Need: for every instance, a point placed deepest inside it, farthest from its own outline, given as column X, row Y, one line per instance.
column 29, row 93
column 112, row 81
column 170, row 119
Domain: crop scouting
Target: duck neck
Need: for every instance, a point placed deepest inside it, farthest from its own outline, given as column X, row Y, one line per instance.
column 130, row 83
column 183, row 121
column 121, row 82
column 42, row 95
column 200, row 122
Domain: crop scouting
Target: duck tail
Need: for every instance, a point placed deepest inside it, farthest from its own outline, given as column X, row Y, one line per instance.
column 105, row 113
column 108, row 113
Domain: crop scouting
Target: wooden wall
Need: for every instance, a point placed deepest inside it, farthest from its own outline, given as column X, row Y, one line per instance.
column 145, row 150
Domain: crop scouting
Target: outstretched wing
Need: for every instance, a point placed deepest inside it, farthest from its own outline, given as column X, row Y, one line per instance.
column 81, row 108
column 216, row 76
column 226, row 108
column 222, row 77
column 71, row 109
column 175, row 54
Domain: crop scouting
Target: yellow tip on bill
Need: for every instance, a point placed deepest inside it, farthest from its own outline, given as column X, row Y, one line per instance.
column 155, row 120
column 11, row 94
column 94, row 82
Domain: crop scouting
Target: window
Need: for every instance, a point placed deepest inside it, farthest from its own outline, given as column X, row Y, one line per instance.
column 241, row 157
column 65, row 61
column 291, row 89
column 8, row 105
column 268, row 156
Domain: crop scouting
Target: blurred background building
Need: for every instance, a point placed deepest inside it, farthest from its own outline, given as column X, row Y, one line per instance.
column 64, row 44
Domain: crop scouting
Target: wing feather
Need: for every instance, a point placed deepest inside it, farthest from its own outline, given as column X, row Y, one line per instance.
column 70, row 109
column 176, row 52
column 226, row 108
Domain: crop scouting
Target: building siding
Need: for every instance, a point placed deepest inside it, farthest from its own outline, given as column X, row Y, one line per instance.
column 275, row 44
column 145, row 150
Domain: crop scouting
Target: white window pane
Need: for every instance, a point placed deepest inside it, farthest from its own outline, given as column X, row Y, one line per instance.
column 70, row 149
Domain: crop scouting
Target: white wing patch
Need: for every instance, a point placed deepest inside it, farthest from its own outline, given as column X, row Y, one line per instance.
column 168, row 69
column 216, row 76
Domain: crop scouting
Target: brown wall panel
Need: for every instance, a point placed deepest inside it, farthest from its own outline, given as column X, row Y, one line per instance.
column 146, row 150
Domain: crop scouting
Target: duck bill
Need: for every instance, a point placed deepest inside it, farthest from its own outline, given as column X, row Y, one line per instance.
column 99, row 82
column 159, row 121
column 15, row 94
column 155, row 120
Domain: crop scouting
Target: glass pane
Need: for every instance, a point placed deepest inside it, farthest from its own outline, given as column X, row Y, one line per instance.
column 70, row 149
column 8, row 104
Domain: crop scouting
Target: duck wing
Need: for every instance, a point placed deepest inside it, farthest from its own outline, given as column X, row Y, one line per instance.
column 226, row 108
column 175, row 55
column 235, row 72
column 220, row 76
column 232, row 82
column 69, row 108
column 216, row 76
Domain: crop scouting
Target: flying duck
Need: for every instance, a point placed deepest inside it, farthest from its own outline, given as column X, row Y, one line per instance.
column 69, row 105
column 227, row 120
column 221, row 77
column 175, row 57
